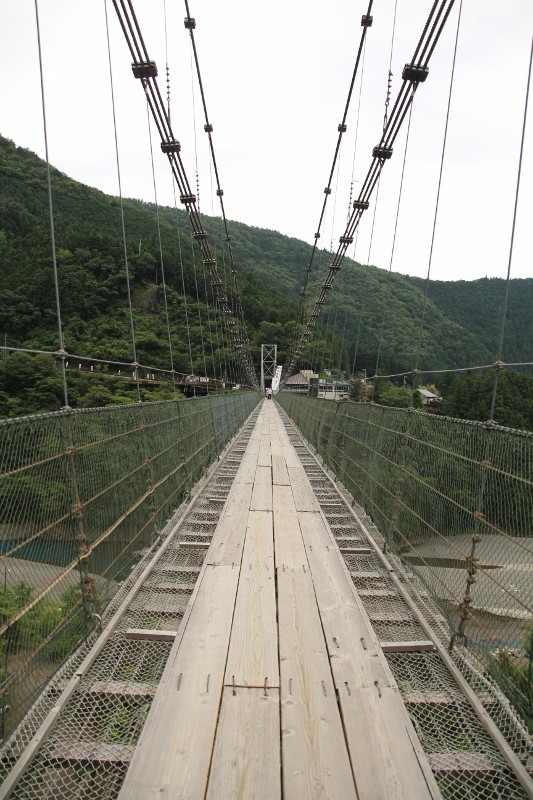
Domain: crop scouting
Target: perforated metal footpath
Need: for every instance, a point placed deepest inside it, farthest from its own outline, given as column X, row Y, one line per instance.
column 92, row 714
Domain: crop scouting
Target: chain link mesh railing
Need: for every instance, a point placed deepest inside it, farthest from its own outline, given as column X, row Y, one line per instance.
column 83, row 495
column 454, row 501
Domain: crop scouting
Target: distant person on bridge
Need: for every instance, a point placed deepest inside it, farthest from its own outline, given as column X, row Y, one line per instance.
column 268, row 393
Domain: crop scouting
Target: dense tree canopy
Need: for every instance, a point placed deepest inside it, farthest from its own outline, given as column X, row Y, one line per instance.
column 367, row 310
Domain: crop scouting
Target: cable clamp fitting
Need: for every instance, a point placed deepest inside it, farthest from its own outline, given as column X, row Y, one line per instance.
column 382, row 153
column 190, row 23
column 208, row 128
column 415, row 73
column 172, row 146
column 342, row 128
column 360, row 205
column 367, row 20
column 144, row 69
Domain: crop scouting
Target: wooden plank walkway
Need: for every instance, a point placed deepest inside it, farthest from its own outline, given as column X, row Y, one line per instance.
column 277, row 685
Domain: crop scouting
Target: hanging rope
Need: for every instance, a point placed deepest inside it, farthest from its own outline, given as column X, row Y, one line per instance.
column 511, row 245
column 61, row 351
column 146, row 71
column 413, row 74
column 183, row 287
column 240, row 333
column 366, row 22
column 164, row 284
column 437, row 200
column 135, row 363
column 389, row 276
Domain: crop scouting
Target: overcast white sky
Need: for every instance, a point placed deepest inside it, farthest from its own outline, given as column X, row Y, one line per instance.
column 276, row 77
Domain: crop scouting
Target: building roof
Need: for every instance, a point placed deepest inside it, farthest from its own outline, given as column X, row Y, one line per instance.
column 298, row 379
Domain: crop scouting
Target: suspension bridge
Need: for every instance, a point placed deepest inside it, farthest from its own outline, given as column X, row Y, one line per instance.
column 232, row 596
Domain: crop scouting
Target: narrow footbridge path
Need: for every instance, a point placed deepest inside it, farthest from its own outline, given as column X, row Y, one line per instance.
column 266, row 648
column 276, row 685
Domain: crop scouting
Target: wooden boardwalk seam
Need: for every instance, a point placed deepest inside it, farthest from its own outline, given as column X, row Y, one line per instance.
column 277, row 687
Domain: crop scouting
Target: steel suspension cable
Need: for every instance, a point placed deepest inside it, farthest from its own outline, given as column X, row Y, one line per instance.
column 122, row 222
column 146, row 71
column 365, row 284
column 198, row 306
column 366, row 22
column 184, row 290
column 511, row 245
column 190, row 24
column 167, row 319
column 61, row 341
column 437, row 202
column 389, row 277
column 413, row 74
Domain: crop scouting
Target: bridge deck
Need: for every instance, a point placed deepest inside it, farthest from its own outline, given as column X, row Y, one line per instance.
column 276, row 684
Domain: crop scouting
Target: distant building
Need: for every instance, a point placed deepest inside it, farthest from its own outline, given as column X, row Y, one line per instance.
column 429, row 398
column 298, row 383
column 334, row 390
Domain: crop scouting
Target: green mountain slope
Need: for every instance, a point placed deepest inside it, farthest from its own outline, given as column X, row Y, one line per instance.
column 90, row 256
column 368, row 308
column 462, row 319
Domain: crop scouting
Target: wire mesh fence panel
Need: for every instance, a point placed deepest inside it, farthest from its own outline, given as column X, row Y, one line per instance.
column 454, row 500
column 83, row 496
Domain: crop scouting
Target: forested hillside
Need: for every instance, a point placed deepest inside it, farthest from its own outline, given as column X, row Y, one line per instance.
column 461, row 319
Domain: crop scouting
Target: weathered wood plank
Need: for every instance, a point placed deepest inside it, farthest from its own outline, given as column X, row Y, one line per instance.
column 175, row 747
column 289, row 548
column 246, row 758
column 246, row 471
column 262, row 490
column 373, row 712
column 290, row 455
column 385, row 764
column 264, row 458
column 351, row 643
column 124, row 690
column 253, row 652
column 304, row 496
column 177, row 568
column 228, row 539
column 315, row 761
column 101, row 753
column 460, row 765
column 149, row 634
column 414, row 646
column 280, row 475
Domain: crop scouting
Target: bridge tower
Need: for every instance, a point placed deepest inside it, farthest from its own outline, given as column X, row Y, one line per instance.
column 269, row 357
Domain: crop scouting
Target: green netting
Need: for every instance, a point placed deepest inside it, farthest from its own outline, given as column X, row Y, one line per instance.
column 83, row 495
column 454, row 500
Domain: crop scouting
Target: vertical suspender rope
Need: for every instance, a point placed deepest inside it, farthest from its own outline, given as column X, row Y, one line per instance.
column 61, row 351
column 161, row 251
column 389, row 277
column 198, row 304
column 507, row 284
column 126, row 264
column 367, row 270
column 426, row 293
column 351, row 194
column 184, row 290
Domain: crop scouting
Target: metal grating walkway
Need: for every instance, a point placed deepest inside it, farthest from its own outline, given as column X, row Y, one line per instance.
column 267, row 650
